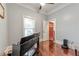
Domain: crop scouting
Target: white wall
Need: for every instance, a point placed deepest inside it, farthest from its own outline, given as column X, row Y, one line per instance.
column 3, row 33
column 15, row 17
column 67, row 23
column 45, row 30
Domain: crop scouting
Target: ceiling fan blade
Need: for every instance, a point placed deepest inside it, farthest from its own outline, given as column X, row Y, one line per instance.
column 49, row 3
column 40, row 7
column 46, row 3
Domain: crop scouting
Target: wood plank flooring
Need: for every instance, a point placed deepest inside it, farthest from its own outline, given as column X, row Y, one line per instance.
column 48, row 48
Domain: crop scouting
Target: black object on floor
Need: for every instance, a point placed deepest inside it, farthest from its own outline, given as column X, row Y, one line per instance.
column 65, row 44
column 75, row 52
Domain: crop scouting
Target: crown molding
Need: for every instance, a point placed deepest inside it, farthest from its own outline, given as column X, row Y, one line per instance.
column 27, row 6
column 59, row 8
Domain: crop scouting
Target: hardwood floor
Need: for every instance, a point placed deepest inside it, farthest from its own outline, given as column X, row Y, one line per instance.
column 47, row 48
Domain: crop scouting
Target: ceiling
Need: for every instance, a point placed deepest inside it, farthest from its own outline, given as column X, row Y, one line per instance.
column 47, row 9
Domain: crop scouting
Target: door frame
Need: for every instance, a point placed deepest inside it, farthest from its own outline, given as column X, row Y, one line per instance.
column 54, row 21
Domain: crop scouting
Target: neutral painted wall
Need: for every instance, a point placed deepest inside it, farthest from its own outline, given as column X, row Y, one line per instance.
column 3, row 32
column 67, row 23
column 15, row 20
column 45, row 30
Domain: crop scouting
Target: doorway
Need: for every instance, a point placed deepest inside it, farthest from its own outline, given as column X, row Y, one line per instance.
column 51, row 31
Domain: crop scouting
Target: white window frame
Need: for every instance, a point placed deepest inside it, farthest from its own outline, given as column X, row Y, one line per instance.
column 23, row 23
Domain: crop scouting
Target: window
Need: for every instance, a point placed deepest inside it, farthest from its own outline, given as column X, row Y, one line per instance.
column 29, row 26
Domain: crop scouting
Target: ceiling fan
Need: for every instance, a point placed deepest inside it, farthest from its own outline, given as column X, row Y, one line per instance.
column 42, row 4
